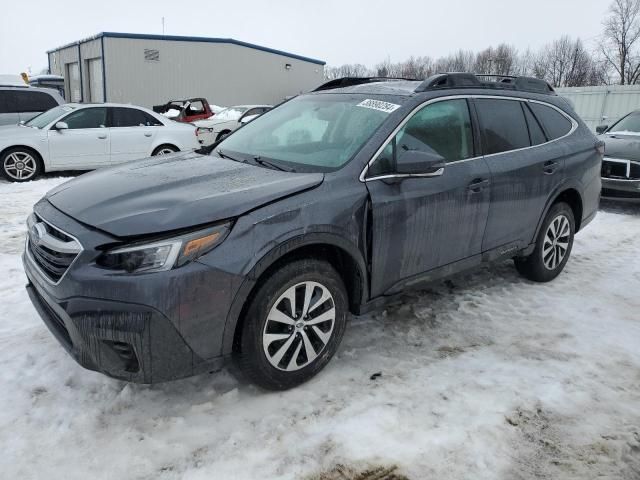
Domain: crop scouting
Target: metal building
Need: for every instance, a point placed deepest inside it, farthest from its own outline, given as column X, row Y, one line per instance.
column 149, row 70
column 603, row 104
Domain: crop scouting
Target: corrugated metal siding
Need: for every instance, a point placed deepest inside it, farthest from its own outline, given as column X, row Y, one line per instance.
column 225, row 74
column 90, row 50
column 60, row 60
column 603, row 104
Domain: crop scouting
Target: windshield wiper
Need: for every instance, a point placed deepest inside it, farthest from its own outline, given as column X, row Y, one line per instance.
column 269, row 164
column 228, row 157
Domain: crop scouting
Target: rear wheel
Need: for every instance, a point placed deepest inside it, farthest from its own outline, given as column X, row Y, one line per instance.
column 165, row 150
column 21, row 164
column 293, row 325
column 553, row 246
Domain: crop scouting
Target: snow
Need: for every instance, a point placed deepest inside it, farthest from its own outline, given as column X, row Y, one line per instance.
column 172, row 113
column 485, row 376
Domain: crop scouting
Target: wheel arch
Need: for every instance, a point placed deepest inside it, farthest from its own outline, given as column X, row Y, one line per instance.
column 569, row 193
column 164, row 144
column 342, row 254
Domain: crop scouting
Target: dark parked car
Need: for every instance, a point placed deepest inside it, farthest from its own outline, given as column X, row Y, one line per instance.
column 621, row 164
column 333, row 202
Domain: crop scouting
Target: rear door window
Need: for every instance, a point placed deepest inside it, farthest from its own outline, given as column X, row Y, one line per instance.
column 131, row 117
column 555, row 124
column 503, row 125
column 27, row 101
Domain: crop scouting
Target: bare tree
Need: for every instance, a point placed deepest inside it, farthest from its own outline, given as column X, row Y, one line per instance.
column 347, row 70
column 621, row 36
column 501, row 60
column 563, row 63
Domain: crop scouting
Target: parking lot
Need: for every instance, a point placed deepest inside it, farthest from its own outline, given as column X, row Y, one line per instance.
column 483, row 376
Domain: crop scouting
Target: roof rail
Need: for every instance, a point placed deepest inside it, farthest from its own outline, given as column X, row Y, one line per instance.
column 351, row 81
column 504, row 82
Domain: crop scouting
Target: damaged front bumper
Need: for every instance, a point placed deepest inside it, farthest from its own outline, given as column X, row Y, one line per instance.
column 145, row 328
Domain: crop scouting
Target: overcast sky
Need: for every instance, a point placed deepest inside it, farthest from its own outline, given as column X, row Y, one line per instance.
column 337, row 31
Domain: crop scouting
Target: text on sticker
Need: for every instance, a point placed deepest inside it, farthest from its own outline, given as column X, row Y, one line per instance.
column 378, row 105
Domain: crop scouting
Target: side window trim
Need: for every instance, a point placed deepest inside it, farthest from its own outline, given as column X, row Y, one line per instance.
column 525, row 106
column 474, row 121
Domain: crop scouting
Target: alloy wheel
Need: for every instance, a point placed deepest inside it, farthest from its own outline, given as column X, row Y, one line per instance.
column 165, row 151
column 299, row 326
column 556, row 242
column 20, row 165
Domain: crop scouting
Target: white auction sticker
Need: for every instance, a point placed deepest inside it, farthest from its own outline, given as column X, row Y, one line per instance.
column 379, row 105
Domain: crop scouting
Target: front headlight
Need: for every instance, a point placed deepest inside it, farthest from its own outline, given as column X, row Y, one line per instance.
column 164, row 254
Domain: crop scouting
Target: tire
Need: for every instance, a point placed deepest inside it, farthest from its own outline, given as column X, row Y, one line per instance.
column 553, row 246
column 222, row 135
column 283, row 353
column 165, row 150
column 21, row 164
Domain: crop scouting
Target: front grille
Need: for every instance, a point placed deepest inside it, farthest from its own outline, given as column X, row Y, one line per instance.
column 51, row 249
column 620, row 169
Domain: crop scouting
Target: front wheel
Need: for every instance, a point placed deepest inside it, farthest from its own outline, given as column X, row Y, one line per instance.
column 293, row 325
column 553, row 246
column 20, row 165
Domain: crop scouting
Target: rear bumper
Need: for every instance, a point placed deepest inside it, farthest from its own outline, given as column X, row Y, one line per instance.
column 124, row 341
column 619, row 188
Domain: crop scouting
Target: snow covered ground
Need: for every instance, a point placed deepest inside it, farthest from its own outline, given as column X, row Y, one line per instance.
column 486, row 376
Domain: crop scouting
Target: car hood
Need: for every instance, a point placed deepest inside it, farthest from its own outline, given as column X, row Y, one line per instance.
column 173, row 192
column 622, row 146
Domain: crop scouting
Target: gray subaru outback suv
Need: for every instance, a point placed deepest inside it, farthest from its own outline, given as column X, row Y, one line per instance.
column 334, row 202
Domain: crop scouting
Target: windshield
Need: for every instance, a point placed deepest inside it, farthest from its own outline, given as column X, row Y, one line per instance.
column 629, row 124
column 45, row 118
column 231, row 113
column 311, row 133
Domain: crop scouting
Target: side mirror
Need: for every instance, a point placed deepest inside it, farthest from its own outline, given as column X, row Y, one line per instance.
column 21, row 122
column 601, row 128
column 417, row 162
column 61, row 126
column 248, row 118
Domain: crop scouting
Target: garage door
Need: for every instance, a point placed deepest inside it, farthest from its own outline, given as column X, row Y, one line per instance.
column 73, row 74
column 96, row 92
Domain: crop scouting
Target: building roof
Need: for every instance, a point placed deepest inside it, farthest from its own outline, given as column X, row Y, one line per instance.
column 177, row 38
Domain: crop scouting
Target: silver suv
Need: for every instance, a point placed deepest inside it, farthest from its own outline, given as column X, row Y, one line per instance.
column 22, row 103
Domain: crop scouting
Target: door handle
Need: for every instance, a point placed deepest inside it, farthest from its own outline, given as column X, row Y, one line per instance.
column 549, row 168
column 102, row 137
column 148, row 134
column 478, row 185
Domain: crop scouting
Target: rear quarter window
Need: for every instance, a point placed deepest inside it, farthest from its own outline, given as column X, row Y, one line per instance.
column 503, row 125
column 554, row 123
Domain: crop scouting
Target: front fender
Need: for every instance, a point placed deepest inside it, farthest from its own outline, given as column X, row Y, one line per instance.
column 272, row 256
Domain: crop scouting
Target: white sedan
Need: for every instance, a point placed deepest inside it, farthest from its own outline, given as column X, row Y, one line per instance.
column 88, row 136
column 215, row 128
